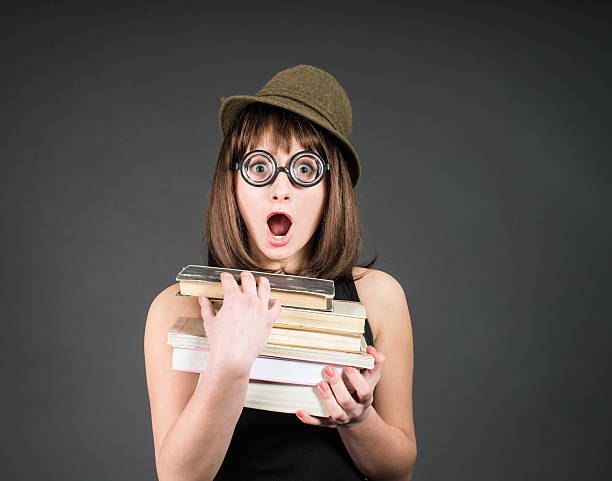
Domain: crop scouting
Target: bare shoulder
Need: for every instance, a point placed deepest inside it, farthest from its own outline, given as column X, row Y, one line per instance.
column 167, row 307
column 373, row 279
column 169, row 390
column 164, row 311
column 382, row 296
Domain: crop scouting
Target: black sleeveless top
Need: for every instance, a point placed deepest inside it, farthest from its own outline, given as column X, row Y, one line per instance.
column 268, row 445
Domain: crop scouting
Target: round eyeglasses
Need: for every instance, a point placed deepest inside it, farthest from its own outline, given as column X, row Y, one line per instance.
column 259, row 168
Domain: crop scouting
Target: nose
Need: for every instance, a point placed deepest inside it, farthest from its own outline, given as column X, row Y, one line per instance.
column 281, row 187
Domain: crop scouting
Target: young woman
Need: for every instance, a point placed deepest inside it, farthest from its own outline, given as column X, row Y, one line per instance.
column 283, row 201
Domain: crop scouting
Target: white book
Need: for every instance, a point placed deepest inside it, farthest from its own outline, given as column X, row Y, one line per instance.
column 284, row 398
column 264, row 368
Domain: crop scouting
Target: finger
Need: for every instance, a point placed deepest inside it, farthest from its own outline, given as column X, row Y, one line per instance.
column 247, row 282
column 363, row 390
column 314, row 420
column 274, row 311
column 343, row 396
column 263, row 289
column 372, row 376
column 229, row 284
column 334, row 409
column 206, row 308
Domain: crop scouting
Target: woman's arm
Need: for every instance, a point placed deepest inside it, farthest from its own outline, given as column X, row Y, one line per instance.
column 383, row 445
column 193, row 426
column 195, row 445
column 378, row 434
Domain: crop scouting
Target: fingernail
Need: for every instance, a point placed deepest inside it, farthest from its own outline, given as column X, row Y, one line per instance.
column 323, row 386
column 200, row 300
column 349, row 370
column 329, row 371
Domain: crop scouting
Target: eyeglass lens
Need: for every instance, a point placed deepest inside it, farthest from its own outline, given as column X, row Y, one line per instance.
column 259, row 168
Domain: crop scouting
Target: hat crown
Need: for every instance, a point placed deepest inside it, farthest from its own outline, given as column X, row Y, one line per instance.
column 315, row 88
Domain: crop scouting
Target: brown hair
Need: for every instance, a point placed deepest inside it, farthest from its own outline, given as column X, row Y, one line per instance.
column 337, row 242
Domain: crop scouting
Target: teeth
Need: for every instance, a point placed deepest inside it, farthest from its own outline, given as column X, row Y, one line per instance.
column 278, row 236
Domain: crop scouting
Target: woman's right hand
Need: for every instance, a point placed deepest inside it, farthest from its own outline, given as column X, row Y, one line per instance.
column 239, row 331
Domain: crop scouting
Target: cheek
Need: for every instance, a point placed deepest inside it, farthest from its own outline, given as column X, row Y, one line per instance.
column 315, row 205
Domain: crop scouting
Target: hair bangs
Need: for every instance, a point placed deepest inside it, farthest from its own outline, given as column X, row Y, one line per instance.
column 283, row 126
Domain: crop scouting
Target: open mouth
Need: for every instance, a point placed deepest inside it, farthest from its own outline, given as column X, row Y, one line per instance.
column 279, row 225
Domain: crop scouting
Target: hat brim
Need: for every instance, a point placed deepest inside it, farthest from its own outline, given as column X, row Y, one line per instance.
column 231, row 107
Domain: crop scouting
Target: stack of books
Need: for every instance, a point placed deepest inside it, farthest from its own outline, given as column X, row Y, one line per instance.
column 312, row 331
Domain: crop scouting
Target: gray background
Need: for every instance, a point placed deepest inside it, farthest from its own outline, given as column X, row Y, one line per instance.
column 483, row 132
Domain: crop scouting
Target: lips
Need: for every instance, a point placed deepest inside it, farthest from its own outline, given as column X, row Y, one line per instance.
column 279, row 228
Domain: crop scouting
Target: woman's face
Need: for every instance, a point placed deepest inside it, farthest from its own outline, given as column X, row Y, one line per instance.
column 302, row 206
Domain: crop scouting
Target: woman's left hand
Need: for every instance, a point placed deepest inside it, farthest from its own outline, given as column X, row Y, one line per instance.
column 344, row 407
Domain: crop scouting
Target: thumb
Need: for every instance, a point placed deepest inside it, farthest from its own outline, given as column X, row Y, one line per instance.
column 372, row 376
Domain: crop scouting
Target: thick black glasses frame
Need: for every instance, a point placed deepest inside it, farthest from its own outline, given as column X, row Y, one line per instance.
column 277, row 169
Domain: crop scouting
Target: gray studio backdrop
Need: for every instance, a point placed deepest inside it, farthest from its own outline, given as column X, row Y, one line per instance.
column 483, row 133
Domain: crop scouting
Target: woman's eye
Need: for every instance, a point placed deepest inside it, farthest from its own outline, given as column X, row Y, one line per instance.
column 259, row 168
column 307, row 170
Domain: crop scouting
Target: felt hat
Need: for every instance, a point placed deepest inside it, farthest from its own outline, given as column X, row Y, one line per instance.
column 309, row 92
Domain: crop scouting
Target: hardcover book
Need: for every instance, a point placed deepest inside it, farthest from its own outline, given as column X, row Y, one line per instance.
column 291, row 291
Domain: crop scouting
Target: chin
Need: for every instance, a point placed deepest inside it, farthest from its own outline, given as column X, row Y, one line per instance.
column 279, row 253
column 285, row 252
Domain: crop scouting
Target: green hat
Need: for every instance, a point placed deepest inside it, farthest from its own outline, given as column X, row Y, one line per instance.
column 309, row 92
